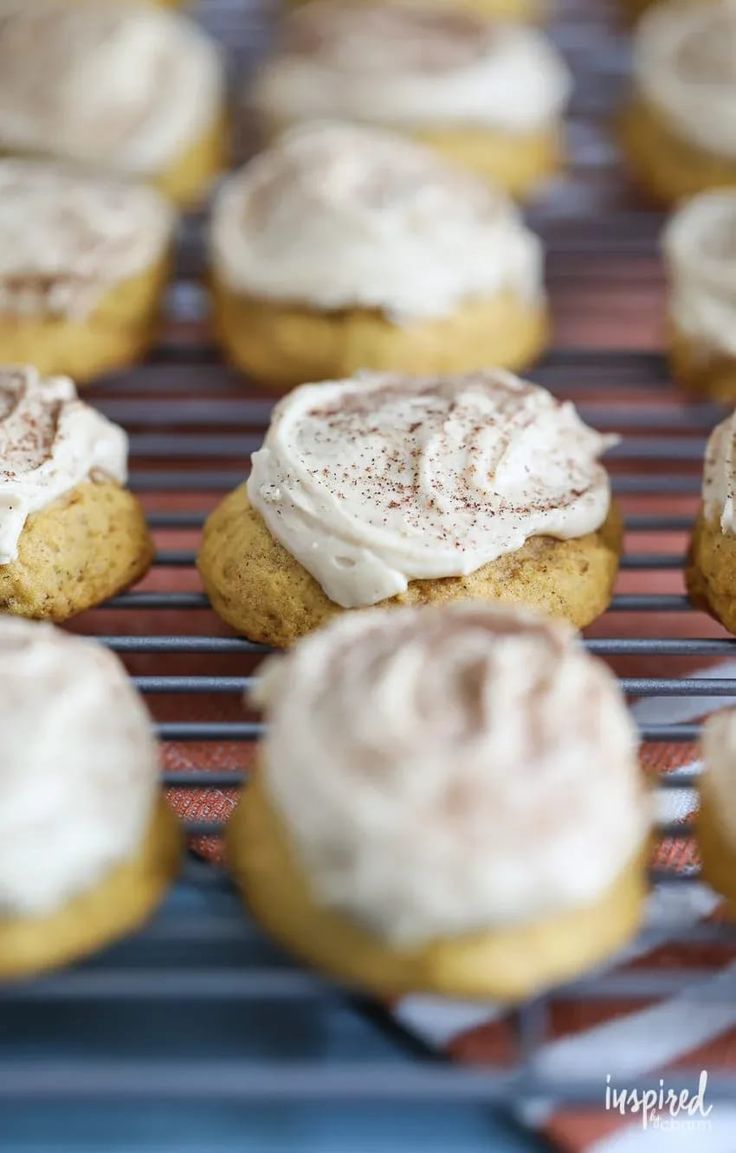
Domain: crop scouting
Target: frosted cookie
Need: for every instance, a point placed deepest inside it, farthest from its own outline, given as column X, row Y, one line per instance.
column 83, row 265
column 488, row 95
column 448, row 800
column 71, row 535
column 344, row 248
column 87, row 844
column 711, row 567
column 400, row 491
column 128, row 87
column 700, row 253
column 680, row 129
column 716, row 821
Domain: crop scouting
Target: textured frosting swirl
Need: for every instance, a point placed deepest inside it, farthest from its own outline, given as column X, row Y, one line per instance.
column 66, row 238
column 685, row 67
column 50, row 441
column 338, row 216
column 447, row 770
column 377, row 481
column 700, row 252
column 125, row 86
column 719, row 757
column 411, row 66
column 79, row 769
column 719, row 476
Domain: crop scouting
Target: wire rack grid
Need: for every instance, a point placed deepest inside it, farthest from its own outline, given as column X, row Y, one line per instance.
column 199, row 1007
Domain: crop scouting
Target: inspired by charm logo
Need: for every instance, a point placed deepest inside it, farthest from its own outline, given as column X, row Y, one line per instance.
column 662, row 1108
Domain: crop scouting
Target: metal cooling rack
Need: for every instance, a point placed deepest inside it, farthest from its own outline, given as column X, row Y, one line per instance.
column 199, row 1009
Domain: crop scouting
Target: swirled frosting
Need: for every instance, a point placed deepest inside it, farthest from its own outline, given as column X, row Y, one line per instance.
column 377, row 481
column 66, row 238
column 50, row 441
column 447, row 770
column 125, row 86
column 719, row 476
column 719, row 757
column 338, row 216
column 685, row 67
column 700, row 252
column 79, row 767
column 411, row 66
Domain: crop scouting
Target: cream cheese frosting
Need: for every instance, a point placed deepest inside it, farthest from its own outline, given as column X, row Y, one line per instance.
column 719, row 476
column 50, row 441
column 449, row 770
column 124, row 86
column 67, row 238
column 685, row 67
column 337, row 216
column 700, row 252
column 412, row 66
column 79, row 767
column 374, row 482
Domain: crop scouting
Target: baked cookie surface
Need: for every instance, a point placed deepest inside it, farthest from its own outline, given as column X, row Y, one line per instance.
column 117, row 906
column 258, row 587
column 84, row 548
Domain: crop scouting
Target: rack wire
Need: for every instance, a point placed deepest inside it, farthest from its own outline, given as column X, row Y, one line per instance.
column 259, row 1029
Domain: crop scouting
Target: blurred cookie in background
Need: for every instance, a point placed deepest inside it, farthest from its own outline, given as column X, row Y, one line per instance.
column 488, row 95
column 84, row 261
column 345, row 248
column 131, row 88
column 679, row 129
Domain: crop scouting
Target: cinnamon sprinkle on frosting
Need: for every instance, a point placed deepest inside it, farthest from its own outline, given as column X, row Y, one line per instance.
column 50, row 441
column 373, row 482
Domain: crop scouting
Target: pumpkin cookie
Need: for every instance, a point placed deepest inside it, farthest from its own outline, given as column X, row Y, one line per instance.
column 700, row 253
column 711, row 565
column 345, row 248
column 679, row 131
column 716, row 821
column 66, row 91
column 83, row 266
column 430, row 781
column 88, row 847
column 402, row 491
column 71, row 535
column 485, row 94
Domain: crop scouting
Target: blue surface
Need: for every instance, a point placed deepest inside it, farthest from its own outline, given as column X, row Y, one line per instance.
column 326, row 1031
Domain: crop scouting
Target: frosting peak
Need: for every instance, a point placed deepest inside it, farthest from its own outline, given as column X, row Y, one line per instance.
column 50, row 441
column 684, row 65
column 67, row 237
column 377, row 481
column 411, row 65
column 127, row 86
column 405, row 231
column 78, row 772
column 444, row 771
